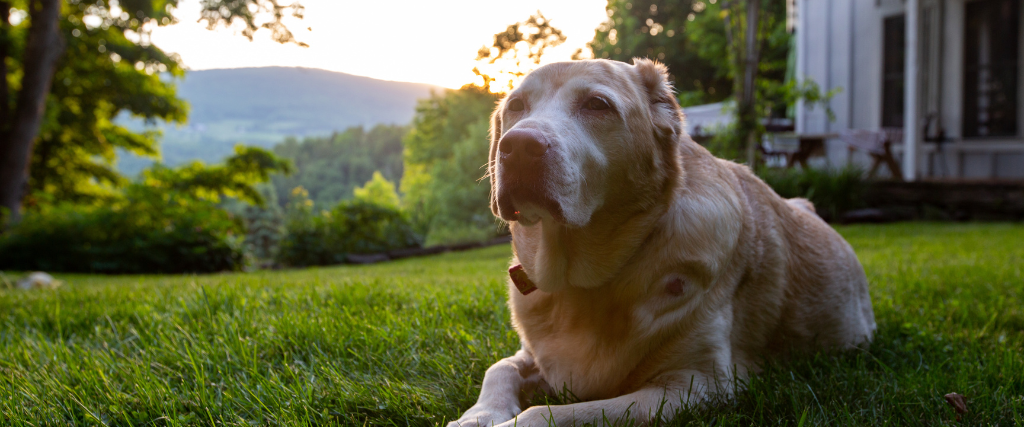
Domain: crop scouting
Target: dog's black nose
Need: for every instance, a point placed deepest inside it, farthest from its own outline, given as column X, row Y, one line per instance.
column 522, row 146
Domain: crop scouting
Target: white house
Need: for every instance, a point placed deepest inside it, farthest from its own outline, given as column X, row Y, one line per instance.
column 954, row 65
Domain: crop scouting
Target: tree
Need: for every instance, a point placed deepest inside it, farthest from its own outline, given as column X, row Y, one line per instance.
column 716, row 50
column 515, row 52
column 236, row 178
column 745, row 20
column 172, row 221
column 378, row 191
column 444, row 157
column 101, row 74
column 264, row 226
column 19, row 126
column 447, row 148
column 659, row 29
column 32, row 50
column 748, row 41
column 331, row 167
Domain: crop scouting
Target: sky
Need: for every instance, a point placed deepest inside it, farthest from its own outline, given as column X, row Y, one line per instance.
column 421, row 41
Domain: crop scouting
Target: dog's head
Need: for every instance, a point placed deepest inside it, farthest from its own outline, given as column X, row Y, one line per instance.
column 579, row 138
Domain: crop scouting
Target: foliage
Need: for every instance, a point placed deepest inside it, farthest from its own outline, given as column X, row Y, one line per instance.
column 725, row 141
column 756, row 65
column 235, row 178
column 667, row 31
column 150, row 231
column 833, row 191
column 252, row 14
column 410, row 341
column 102, row 74
column 710, row 38
column 109, row 68
column 355, row 226
column 515, row 52
column 378, row 191
column 447, row 148
column 445, row 154
column 264, row 227
column 330, row 168
column 169, row 222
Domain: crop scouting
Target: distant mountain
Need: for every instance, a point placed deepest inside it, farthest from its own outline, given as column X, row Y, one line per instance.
column 262, row 106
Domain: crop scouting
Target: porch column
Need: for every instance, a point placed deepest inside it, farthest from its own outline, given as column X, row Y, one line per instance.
column 910, row 122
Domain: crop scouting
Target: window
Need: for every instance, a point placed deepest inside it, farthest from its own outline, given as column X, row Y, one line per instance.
column 893, row 65
column 991, row 50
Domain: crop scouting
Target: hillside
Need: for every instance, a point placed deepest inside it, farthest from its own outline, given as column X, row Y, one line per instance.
column 262, row 106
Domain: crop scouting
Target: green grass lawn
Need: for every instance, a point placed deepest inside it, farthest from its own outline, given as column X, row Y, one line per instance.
column 407, row 343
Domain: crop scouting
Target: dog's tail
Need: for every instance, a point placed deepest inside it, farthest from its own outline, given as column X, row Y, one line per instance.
column 802, row 204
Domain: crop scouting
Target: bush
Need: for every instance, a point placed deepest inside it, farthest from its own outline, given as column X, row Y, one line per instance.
column 148, row 232
column 444, row 185
column 833, row 191
column 352, row 227
column 264, row 228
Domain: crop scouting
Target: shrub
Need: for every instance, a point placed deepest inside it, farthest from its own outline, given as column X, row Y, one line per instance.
column 356, row 226
column 833, row 191
column 264, row 228
column 444, row 184
column 148, row 232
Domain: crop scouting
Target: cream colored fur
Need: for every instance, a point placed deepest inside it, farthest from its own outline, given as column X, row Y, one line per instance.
column 667, row 272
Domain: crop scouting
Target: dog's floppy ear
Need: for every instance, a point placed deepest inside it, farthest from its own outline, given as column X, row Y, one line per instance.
column 665, row 111
column 492, row 157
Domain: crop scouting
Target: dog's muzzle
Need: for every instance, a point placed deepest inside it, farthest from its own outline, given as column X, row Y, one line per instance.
column 523, row 156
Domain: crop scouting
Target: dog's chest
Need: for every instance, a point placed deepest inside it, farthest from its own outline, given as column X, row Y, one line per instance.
column 591, row 344
column 581, row 351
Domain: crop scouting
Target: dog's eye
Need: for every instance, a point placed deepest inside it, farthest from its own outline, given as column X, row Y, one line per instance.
column 596, row 103
column 516, row 105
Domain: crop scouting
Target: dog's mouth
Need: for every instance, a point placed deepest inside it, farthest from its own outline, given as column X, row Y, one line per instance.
column 526, row 165
column 528, row 205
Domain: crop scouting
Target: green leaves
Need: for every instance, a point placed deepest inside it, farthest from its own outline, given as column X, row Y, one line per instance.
column 329, row 168
column 378, row 191
column 249, row 12
column 833, row 191
column 235, row 178
column 445, row 158
column 149, row 232
column 516, row 51
column 111, row 70
column 106, row 71
column 674, row 33
column 356, row 226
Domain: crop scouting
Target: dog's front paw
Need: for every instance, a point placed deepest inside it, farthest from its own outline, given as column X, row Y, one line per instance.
column 479, row 416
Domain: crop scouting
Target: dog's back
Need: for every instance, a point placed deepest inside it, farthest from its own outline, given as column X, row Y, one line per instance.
column 825, row 291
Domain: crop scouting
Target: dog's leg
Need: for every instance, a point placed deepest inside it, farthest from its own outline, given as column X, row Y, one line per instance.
column 507, row 384
column 642, row 406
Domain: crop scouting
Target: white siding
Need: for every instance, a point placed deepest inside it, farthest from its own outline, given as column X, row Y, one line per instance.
column 841, row 47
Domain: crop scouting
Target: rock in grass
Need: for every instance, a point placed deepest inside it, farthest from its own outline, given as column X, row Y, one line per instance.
column 38, row 280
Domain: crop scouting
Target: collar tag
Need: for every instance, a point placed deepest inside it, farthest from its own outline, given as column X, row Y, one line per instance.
column 521, row 280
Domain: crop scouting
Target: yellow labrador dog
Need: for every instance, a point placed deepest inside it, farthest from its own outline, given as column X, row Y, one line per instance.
column 647, row 273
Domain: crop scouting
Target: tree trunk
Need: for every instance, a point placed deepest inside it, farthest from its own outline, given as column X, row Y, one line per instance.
column 5, row 44
column 752, row 56
column 42, row 50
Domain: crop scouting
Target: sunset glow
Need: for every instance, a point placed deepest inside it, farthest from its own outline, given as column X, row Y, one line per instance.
column 418, row 41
